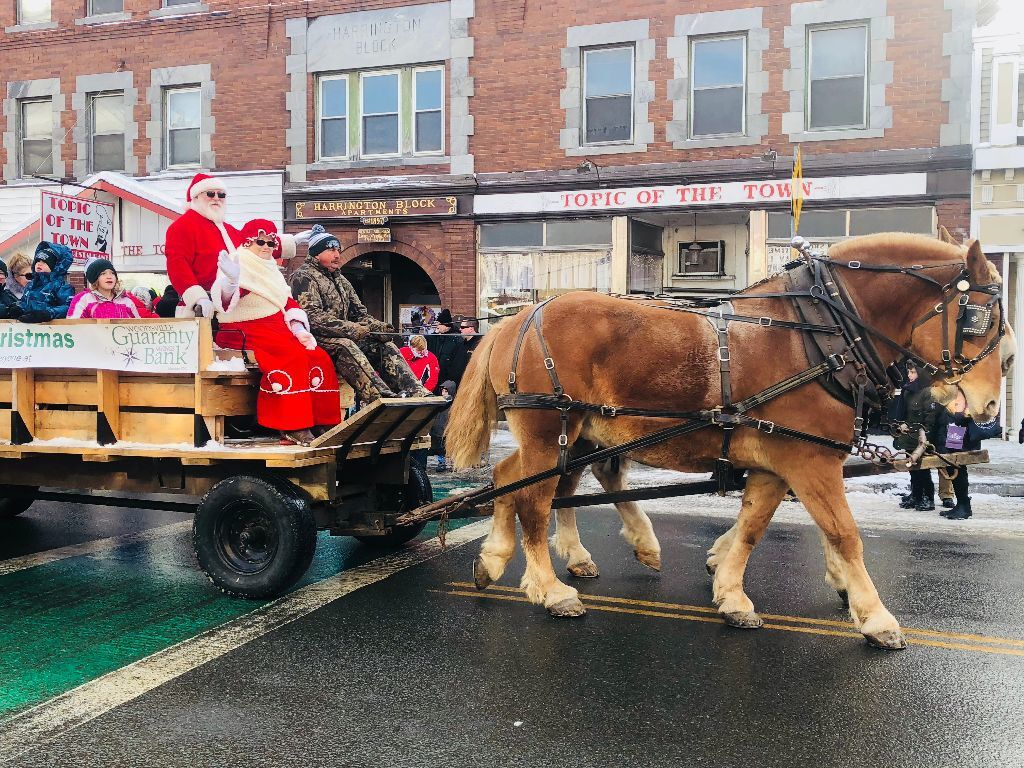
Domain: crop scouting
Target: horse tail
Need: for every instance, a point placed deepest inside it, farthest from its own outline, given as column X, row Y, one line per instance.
column 475, row 410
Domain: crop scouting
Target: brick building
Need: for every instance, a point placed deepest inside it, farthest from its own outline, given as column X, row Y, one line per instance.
column 484, row 153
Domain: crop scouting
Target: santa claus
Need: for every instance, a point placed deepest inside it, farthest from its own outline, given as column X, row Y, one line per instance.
column 196, row 238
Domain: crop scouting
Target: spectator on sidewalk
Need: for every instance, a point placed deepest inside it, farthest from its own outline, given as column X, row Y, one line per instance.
column 957, row 431
column 422, row 362
column 437, row 446
column 919, row 411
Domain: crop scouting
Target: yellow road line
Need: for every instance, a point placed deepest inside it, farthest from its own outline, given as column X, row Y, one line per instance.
column 920, row 635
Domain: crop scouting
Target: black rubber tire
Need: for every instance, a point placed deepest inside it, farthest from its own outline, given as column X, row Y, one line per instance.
column 13, row 506
column 416, row 493
column 254, row 537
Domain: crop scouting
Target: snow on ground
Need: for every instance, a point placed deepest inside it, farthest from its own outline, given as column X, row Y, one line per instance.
column 874, row 499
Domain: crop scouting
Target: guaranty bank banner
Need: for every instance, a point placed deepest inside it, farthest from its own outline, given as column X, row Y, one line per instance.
column 142, row 347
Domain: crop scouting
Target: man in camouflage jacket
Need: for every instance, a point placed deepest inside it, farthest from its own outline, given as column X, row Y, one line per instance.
column 342, row 326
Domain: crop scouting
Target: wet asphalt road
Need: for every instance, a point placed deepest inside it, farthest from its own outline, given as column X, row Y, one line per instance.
column 411, row 672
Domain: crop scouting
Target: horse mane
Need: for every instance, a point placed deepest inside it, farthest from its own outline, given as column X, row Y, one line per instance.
column 897, row 248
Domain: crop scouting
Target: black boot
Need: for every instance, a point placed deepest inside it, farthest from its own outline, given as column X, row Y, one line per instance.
column 948, row 504
column 925, row 503
column 961, row 511
column 910, row 500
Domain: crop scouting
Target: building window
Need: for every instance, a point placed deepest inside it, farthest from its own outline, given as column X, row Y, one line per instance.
column 184, row 111
column 718, row 87
column 709, row 260
column 837, row 77
column 838, row 224
column 172, row 3
column 36, row 137
column 334, row 117
column 33, row 11
column 379, row 94
column 608, row 95
column 428, row 108
column 107, row 134
column 103, row 7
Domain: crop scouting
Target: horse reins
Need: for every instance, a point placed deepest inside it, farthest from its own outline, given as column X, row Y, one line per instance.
column 871, row 385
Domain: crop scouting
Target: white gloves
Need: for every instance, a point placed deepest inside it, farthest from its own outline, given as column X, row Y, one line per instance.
column 303, row 237
column 203, row 307
column 304, row 337
column 230, row 268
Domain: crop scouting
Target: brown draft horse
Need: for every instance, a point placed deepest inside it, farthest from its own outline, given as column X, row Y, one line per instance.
column 627, row 353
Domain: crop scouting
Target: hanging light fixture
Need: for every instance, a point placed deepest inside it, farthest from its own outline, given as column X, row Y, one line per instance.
column 694, row 249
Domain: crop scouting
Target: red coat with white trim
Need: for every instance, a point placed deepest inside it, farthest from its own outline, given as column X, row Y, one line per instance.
column 192, row 247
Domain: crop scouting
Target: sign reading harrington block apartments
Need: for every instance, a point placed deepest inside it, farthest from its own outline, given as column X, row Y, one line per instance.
column 84, row 226
column 406, row 35
column 758, row 192
column 138, row 347
column 361, row 209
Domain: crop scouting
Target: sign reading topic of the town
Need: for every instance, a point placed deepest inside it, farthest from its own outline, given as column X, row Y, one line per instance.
column 142, row 346
column 84, row 226
column 376, row 235
column 361, row 209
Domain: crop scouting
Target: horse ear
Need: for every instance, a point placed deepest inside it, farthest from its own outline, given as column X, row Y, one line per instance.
column 978, row 265
column 945, row 237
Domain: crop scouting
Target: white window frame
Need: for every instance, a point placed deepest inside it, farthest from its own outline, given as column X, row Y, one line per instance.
column 21, row 15
column 24, row 172
column 167, row 126
column 320, row 117
column 412, row 106
column 362, row 113
column 632, row 95
column 92, row 127
column 865, row 120
column 694, row 42
column 681, row 247
column 92, row 11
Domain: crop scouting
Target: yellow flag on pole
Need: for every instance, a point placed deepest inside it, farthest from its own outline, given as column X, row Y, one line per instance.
column 797, row 189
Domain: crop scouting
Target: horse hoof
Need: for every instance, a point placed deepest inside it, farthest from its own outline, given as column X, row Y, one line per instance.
column 585, row 570
column 844, row 597
column 481, row 577
column 888, row 639
column 742, row 619
column 651, row 559
column 568, row 608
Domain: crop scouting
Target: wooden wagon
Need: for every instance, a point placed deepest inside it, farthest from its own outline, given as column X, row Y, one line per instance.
column 145, row 414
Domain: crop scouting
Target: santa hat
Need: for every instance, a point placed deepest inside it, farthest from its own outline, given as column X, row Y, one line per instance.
column 259, row 228
column 203, row 182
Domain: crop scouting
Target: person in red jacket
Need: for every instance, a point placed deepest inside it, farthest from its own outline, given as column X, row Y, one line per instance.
column 299, row 388
column 195, row 239
column 422, row 361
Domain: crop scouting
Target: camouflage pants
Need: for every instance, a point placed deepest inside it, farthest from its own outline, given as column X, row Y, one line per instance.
column 350, row 360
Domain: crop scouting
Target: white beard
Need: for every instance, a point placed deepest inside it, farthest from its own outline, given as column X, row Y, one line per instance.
column 204, row 207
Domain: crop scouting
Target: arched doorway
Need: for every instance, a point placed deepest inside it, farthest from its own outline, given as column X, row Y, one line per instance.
column 391, row 285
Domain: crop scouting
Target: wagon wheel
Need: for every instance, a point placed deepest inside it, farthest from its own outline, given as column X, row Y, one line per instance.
column 416, row 493
column 15, row 499
column 254, row 537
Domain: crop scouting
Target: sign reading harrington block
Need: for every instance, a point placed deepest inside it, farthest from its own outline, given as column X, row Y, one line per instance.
column 410, row 34
column 138, row 347
column 405, row 206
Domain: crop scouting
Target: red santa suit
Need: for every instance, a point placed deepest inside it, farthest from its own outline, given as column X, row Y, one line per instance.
column 194, row 242
column 299, row 388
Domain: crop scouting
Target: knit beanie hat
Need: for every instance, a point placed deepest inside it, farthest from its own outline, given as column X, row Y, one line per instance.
column 45, row 252
column 321, row 240
column 97, row 267
column 3, row 268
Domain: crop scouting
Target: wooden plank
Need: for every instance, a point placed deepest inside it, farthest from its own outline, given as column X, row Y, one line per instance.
column 5, row 389
column 76, row 425
column 5, row 425
column 294, row 462
column 961, row 459
column 341, row 433
column 23, row 397
column 198, row 462
column 66, row 390
column 140, row 393
column 107, row 400
column 216, row 399
column 348, row 395
column 215, row 426
column 98, row 458
column 157, row 428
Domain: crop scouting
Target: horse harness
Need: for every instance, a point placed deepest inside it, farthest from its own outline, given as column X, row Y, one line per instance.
column 839, row 343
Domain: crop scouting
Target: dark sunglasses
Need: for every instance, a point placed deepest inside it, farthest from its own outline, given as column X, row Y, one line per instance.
column 260, row 242
column 212, row 195
column 24, row 274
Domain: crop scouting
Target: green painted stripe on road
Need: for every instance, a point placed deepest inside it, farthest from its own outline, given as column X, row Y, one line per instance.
column 68, row 622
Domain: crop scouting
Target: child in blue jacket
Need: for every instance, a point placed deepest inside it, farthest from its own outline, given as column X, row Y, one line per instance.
column 49, row 294
column 959, row 432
